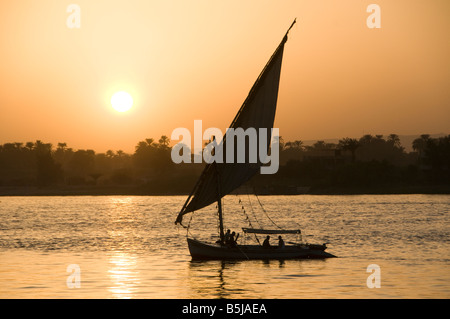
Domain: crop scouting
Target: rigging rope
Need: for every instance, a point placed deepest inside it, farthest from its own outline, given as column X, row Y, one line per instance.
column 248, row 219
column 254, row 215
column 189, row 225
column 262, row 207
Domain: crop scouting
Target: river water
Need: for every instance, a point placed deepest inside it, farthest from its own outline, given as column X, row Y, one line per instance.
column 129, row 247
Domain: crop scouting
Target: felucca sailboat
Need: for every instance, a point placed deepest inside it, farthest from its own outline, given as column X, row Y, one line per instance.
column 220, row 179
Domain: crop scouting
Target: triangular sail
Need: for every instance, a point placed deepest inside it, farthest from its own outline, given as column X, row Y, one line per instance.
column 257, row 111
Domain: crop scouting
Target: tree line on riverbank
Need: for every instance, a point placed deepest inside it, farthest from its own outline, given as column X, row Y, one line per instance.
column 368, row 164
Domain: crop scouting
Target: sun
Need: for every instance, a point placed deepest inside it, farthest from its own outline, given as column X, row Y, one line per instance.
column 121, row 101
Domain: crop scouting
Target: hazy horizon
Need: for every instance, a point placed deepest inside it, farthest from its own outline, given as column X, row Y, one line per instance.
column 405, row 141
column 188, row 60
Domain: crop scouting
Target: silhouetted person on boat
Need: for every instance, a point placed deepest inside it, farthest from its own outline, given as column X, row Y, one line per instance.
column 227, row 236
column 225, row 240
column 232, row 242
column 280, row 242
column 266, row 243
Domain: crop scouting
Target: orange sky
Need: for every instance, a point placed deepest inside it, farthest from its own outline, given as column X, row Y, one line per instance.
column 185, row 60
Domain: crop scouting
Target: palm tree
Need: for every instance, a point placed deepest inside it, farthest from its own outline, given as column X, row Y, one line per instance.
column 109, row 153
column 349, row 144
column 150, row 141
column 420, row 144
column 42, row 147
column 9, row 147
column 60, row 152
column 18, row 145
column 280, row 141
column 395, row 140
column 62, row 146
column 319, row 145
column 29, row 145
column 366, row 139
column 141, row 146
column 38, row 144
column 120, row 153
column 298, row 145
column 164, row 142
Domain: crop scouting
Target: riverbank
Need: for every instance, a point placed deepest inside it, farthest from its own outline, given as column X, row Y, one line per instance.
column 140, row 191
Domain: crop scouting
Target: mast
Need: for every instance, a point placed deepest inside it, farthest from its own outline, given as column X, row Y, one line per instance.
column 219, row 206
column 219, row 198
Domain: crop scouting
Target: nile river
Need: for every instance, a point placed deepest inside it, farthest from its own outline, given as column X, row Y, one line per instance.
column 129, row 247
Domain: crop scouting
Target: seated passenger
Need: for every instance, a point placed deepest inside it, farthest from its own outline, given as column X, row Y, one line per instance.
column 280, row 242
column 266, row 243
column 233, row 241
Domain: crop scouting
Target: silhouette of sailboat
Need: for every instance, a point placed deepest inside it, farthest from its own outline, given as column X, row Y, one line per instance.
column 220, row 179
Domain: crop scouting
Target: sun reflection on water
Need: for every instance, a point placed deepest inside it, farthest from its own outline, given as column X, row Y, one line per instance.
column 124, row 276
column 121, row 200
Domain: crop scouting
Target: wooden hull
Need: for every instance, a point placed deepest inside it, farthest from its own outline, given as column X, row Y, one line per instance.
column 200, row 250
